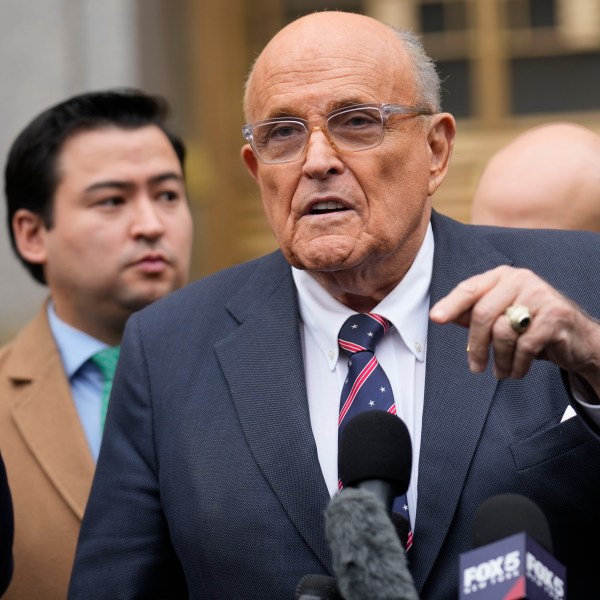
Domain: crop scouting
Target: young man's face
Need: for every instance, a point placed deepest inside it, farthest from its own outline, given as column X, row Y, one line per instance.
column 121, row 232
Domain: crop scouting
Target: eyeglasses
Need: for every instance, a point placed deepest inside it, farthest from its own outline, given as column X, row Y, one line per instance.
column 349, row 129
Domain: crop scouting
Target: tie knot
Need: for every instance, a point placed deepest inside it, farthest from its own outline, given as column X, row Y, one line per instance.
column 106, row 360
column 362, row 331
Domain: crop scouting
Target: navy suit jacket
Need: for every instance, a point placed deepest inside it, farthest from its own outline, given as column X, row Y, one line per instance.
column 208, row 482
column 6, row 530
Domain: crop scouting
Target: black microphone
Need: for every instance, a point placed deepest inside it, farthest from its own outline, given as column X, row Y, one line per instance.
column 368, row 559
column 374, row 465
column 375, row 453
column 317, row 587
column 506, row 514
column 512, row 556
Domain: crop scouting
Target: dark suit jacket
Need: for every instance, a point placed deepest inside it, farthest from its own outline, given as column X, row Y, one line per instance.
column 6, row 531
column 208, row 481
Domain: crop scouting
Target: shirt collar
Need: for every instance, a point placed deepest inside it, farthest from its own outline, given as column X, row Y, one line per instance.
column 75, row 346
column 406, row 306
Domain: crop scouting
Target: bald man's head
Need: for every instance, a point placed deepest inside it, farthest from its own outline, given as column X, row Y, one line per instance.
column 547, row 177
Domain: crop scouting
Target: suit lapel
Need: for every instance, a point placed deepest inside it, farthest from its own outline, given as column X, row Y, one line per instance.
column 262, row 362
column 456, row 400
column 273, row 408
column 44, row 414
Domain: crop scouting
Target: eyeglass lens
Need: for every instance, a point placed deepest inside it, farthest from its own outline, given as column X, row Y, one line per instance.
column 351, row 130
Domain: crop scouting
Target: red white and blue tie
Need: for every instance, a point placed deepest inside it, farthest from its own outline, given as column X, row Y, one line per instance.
column 367, row 386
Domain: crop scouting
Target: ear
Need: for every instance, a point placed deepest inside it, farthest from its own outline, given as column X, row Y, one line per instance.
column 441, row 141
column 250, row 161
column 30, row 236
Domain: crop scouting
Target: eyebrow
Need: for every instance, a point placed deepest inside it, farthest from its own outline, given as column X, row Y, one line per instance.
column 121, row 185
column 347, row 104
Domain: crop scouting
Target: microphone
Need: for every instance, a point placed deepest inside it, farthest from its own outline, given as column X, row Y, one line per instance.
column 375, row 454
column 512, row 558
column 317, row 587
column 374, row 465
column 368, row 559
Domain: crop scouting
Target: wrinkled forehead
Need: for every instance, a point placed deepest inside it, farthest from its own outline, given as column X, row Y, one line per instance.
column 316, row 65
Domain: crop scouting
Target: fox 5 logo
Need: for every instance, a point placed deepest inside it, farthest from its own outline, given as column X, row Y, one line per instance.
column 542, row 576
column 490, row 572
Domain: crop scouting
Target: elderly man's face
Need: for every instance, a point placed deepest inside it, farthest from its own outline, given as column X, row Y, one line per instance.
column 333, row 210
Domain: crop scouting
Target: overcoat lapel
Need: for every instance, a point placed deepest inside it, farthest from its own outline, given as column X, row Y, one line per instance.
column 263, row 364
column 44, row 414
column 456, row 400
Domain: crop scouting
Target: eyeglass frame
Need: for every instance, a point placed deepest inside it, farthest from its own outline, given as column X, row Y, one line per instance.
column 386, row 110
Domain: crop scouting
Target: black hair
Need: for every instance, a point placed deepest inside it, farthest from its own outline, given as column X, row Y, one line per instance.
column 31, row 174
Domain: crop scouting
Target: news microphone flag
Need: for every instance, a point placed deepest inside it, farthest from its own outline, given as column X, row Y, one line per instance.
column 513, row 568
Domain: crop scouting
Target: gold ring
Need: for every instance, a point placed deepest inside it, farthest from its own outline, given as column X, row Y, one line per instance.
column 519, row 317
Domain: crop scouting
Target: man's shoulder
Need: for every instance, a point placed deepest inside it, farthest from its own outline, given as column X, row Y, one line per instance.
column 516, row 241
column 247, row 282
column 566, row 259
column 211, row 307
column 32, row 340
column 5, row 352
column 31, row 352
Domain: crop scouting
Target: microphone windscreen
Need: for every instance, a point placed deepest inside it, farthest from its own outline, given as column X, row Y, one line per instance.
column 375, row 445
column 317, row 587
column 507, row 514
column 368, row 558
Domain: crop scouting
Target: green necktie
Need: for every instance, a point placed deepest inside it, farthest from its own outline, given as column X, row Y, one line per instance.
column 106, row 361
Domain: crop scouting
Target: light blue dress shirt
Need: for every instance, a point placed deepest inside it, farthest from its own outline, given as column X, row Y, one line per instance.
column 85, row 379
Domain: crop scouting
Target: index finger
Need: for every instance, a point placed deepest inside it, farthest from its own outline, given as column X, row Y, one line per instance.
column 456, row 306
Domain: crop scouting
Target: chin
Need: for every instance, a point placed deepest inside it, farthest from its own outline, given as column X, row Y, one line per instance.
column 334, row 255
column 321, row 263
column 136, row 300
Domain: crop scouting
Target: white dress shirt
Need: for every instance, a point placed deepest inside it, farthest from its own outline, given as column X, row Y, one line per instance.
column 401, row 353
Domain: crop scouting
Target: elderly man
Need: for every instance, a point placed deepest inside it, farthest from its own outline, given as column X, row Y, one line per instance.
column 547, row 177
column 220, row 454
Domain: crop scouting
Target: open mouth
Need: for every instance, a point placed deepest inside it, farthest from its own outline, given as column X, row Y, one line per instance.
column 323, row 208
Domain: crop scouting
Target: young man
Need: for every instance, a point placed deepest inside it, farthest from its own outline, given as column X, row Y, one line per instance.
column 97, row 211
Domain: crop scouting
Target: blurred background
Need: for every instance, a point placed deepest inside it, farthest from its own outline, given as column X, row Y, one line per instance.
column 506, row 65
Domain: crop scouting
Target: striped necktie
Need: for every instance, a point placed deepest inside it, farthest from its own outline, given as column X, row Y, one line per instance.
column 367, row 387
column 106, row 361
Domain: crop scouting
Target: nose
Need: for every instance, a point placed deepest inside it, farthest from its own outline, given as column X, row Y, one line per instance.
column 322, row 159
column 147, row 221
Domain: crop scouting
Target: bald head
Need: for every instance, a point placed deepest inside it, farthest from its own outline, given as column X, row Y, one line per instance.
column 547, row 177
column 325, row 37
column 346, row 150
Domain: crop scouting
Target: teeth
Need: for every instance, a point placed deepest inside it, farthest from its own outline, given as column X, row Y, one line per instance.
column 329, row 205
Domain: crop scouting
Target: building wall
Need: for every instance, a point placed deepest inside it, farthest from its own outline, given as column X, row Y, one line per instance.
column 197, row 53
column 50, row 50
